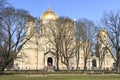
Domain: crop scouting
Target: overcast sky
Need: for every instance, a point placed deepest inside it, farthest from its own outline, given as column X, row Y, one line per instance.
column 75, row 9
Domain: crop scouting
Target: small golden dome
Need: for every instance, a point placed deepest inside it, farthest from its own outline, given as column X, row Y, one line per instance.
column 49, row 15
column 102, row 32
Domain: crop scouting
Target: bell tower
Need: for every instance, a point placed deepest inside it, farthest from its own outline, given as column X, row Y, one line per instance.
column 103, row 47
column 30, row 26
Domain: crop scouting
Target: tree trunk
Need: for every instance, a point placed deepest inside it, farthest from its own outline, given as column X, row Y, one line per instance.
column 78, row 57
column 2, row 69
column 77, row 64
column 57, row 62
column 67, row 65
column 85, row 63
column 100, row 66
column 118, row 63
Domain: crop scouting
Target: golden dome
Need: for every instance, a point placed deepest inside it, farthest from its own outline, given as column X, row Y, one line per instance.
column 49, row 15
column 102, row 32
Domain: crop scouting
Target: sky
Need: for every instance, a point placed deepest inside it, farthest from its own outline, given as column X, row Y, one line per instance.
column 75, row 9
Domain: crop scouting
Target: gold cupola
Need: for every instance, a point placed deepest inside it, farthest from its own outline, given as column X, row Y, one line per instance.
column 48, row 15
column 102, row 35
column 102, row 32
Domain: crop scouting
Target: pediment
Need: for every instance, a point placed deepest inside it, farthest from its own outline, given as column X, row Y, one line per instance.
column 50, row 52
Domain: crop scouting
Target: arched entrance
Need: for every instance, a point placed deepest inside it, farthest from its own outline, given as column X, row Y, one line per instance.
column 50, row 61
column 94, row 64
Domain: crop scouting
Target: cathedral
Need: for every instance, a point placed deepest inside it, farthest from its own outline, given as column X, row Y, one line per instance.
column 39, row 54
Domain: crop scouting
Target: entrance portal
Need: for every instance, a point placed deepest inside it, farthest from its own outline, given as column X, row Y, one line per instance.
column 50, row 61
column 94, row 64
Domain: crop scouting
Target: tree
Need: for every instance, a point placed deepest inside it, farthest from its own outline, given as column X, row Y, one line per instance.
column 111, row 22
column 67, row 46
column 87, row 31
column 77, row 52
column 78, row 35
column 101, row 53
column 13, row 23
column 61, row 36
column 2, row 5
column 54, row 37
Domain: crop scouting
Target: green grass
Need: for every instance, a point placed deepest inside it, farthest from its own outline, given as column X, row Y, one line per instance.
column 60, row 77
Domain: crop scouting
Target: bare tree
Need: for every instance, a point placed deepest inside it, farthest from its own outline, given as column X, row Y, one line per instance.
column 78, row 45
column 61, row 36
column 87, row 32
column 13, row 25
column 67, row 46
column 77, row 52
column 101, row 53
column 111, row 22
column 54, row 37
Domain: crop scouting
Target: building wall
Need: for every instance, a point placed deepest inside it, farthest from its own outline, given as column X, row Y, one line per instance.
column 35, row 53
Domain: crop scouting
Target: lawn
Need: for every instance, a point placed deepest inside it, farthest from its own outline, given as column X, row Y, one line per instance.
column 60, row 77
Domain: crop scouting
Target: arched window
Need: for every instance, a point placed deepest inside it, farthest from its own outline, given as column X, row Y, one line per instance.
column 94, row 64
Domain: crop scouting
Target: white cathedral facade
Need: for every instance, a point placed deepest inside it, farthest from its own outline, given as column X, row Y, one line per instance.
column 37, row 53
